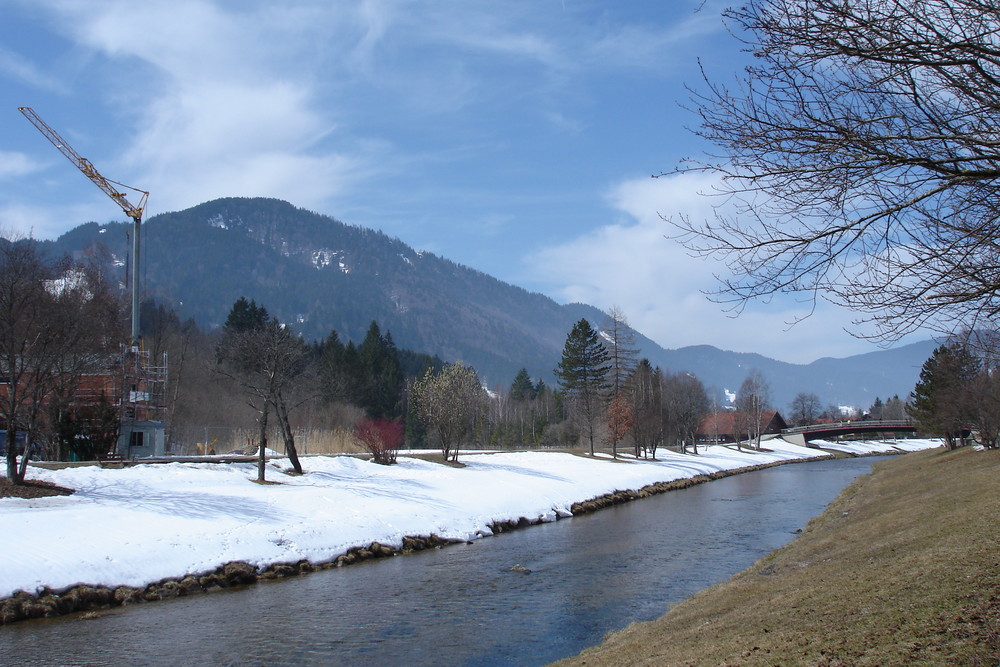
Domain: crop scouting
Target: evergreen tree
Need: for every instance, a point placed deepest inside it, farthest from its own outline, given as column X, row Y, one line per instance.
column 246, row 316
column 522, row 389
column 332, row 380
column 941, row 401
column 582, row 374
column 352, row 374
column 382, row 378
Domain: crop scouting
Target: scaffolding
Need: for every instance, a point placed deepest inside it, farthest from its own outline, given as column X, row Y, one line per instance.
column 143, row 403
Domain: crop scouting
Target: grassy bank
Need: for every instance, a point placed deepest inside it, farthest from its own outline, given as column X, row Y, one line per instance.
column 902, row 569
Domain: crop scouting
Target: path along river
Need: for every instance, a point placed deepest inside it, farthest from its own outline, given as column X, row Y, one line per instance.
column 462, row 605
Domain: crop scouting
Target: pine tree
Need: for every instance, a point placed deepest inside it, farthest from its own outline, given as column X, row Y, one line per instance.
column 582, row 373
column 522, row 389
column 332, row 380
column 382, row 382
column 246, row 316
column 941, row 401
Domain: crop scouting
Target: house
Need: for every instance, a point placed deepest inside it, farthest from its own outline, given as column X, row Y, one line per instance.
column 115, row 407
column 731, row 426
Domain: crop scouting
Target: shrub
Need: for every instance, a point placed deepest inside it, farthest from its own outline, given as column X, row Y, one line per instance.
column 381, row 437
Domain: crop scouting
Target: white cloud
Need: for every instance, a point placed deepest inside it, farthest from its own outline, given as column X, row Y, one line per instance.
column 220, row 109
column 20, row 68
column 16, row 164
column 47, row 221
column 659, row 286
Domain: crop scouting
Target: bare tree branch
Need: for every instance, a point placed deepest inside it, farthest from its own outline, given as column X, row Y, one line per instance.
column 860, row 153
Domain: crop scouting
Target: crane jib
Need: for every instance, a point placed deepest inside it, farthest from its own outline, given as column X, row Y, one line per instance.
column 87, row 167
column 107, row 186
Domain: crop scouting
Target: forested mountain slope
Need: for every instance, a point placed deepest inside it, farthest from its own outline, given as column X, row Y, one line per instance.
column 321, row 274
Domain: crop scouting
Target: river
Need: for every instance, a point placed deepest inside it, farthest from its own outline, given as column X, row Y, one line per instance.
column 462, row 605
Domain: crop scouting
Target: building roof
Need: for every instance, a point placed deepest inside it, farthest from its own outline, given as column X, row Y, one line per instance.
column 727, row 423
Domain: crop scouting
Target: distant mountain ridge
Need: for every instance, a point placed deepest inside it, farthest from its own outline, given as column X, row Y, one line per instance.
column 321, row 274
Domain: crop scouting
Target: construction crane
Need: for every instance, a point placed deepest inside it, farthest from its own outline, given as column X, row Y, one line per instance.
column 108, row 186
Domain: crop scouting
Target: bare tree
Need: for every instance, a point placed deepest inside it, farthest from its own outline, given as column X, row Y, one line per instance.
column 269, row 363
column 620, row 420
column 381, row 437
column 619, row 339
column 862, row 154
column 752, row 401
column 687, row 403
column 646, row 389
column 805, row 408
column 57, row 321
column 86, row 335
column 451, row 404
column 22, row 323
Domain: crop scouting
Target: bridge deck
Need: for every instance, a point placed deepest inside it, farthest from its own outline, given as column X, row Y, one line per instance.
column 817, row 431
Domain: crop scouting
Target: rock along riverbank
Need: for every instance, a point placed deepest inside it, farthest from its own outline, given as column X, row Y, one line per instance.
column 48, row 601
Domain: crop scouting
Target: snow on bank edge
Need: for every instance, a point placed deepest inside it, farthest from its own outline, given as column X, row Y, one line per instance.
column 149, row 522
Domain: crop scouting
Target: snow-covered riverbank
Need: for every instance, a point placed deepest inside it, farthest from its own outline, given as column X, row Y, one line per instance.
column 149, row 522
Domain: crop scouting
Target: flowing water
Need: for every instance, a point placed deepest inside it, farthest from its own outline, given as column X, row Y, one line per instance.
column 462, row 605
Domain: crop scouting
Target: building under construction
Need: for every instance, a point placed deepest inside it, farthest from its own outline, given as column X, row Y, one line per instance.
column 134, row 383
column 143, row 404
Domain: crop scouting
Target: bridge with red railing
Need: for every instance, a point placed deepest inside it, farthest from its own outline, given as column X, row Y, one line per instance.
column 856, row 426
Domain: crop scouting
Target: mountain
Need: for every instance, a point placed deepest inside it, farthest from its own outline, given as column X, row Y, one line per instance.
column 321, row 274
column 853, row 381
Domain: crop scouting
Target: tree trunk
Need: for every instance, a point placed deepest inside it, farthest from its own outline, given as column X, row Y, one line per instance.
column 263, row 444
column 23, row 468
column 288, row 436
column 12, row 469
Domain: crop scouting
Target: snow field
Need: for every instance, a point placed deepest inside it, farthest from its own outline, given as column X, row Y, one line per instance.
column 149, row 522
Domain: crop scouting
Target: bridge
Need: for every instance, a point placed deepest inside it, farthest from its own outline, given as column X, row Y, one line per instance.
column 803, row 434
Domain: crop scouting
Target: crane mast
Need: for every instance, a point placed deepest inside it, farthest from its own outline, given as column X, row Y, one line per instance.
column 108, row 187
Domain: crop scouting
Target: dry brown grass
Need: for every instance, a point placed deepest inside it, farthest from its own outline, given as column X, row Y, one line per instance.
column 31, row 488
column 325, row 441
column 902, row 569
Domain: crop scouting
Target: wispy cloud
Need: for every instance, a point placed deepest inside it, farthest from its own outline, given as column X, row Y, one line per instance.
column 662, row 289
column 222, row 112
column 223, row 98
column 16, row 66
column 45, row 221
column 16, row 164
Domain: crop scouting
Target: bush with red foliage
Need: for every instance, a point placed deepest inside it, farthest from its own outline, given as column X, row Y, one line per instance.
column 381, row 437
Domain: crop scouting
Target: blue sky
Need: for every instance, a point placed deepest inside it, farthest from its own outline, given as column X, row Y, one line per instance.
column 517, row 138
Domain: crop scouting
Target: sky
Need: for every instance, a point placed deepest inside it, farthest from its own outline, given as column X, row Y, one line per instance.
column 517, row 138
